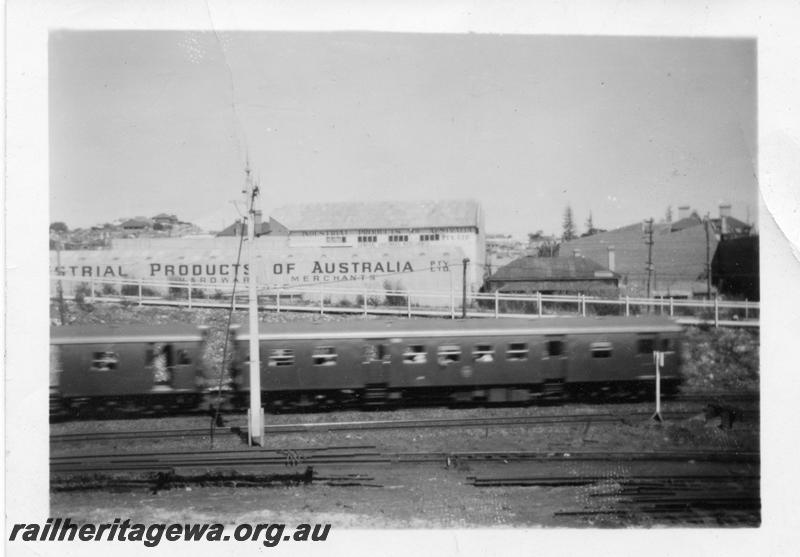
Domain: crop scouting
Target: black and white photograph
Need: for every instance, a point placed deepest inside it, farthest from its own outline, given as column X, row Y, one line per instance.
column 472, row 283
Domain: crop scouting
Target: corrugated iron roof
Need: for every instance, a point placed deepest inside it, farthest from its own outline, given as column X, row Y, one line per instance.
column 379, row 214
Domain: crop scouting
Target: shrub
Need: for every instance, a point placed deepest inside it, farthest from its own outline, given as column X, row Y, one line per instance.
column 721, row 359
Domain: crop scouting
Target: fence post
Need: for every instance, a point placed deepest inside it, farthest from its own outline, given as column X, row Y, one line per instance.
column 583, row 305
column 140, row 291
column 189, row 292
column 627, row 306
column 91, row 287
column 539, row 302
column 496, row 304
column 746, row 309
column 277, row 301
column 408, row 302
column 671, row 307
column 716, row 311
column 365, row 301
column 321, row 301
column 452, row 305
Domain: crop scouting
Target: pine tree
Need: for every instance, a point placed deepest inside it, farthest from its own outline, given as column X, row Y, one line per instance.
column 589, row 225
column 568, row 225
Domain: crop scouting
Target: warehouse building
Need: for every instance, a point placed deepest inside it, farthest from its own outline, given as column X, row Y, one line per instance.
column 410, row 246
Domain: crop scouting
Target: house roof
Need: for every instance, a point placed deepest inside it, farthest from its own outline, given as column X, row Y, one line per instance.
column 138, row 223
column 261, row 230
column 532, row 268
column 379, row 214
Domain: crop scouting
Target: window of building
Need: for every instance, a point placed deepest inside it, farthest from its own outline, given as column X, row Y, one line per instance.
column 104, row 361
column 324, row 356
column 600, row 349
column 666, row 345
column 376, row 353
column 554, row 348
column 397, row 238
column 645, row 345
column 280, row 357
column 483, row 353
column 448, row 354
column 517, row 351
column 367, row 239
column 335, row 239
column 415, row 354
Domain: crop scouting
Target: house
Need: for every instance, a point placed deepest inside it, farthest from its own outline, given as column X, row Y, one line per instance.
column 680, row 253
column 554, row 275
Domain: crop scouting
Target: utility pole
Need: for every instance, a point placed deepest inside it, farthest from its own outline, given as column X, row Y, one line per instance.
column 465, row 262
column 706, row 222
column 256, row 421
column 649, row 241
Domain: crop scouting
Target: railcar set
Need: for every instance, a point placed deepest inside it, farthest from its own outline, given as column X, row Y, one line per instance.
column 366, row 362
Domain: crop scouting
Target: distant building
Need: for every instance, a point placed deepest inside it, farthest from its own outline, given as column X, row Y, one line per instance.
column 238, row 228
column 554, row 275
column 165, row 220
column 681, row 252
column 398, row 228
column 137, row 225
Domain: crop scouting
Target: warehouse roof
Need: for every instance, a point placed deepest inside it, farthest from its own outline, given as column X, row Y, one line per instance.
column 379, row 214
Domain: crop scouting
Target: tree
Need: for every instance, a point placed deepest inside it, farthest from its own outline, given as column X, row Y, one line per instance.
column 59, row 227
column 668, row 216
column 568, row 225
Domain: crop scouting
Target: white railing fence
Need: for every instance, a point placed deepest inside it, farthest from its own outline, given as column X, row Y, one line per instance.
column 324, row 298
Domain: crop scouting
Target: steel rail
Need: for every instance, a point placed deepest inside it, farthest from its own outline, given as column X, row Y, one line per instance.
column 366, row 425
column 360, row 455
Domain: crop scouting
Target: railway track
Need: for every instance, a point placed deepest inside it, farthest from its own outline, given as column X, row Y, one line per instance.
column 357, row 455
column 372, row 425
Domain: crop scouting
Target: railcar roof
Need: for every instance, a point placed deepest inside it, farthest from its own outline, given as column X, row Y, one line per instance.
column 91, row 334
column 382, row 328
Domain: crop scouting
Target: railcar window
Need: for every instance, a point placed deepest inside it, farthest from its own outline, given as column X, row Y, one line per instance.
column 183, row 357
column 555, row 348
column 517, row 351
column 415, row 354
column 279, row 357
column 448, row 354
column 376, row 353
column 104, row 361
column 645, row 345
column 324, row 356
column 601, row 349
column 483, row 353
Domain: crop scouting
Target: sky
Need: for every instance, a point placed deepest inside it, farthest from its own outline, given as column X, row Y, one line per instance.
column 144, row 122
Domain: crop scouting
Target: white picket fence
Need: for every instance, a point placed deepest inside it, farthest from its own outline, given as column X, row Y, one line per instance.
column 320, row 298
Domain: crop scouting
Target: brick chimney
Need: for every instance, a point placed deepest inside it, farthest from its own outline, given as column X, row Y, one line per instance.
column 724, row 213
column 684, row 212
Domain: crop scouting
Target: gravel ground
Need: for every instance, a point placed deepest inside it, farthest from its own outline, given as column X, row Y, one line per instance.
column 398, row 496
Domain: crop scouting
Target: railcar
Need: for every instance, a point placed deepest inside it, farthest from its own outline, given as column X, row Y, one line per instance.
column 492, row 360
column 132, row 366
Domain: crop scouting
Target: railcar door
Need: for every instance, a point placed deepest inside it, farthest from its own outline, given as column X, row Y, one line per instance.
column 376, row 362
column 555, row 359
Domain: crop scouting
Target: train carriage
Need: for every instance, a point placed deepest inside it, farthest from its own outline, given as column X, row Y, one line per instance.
column 497, row 360
column 110, row 364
